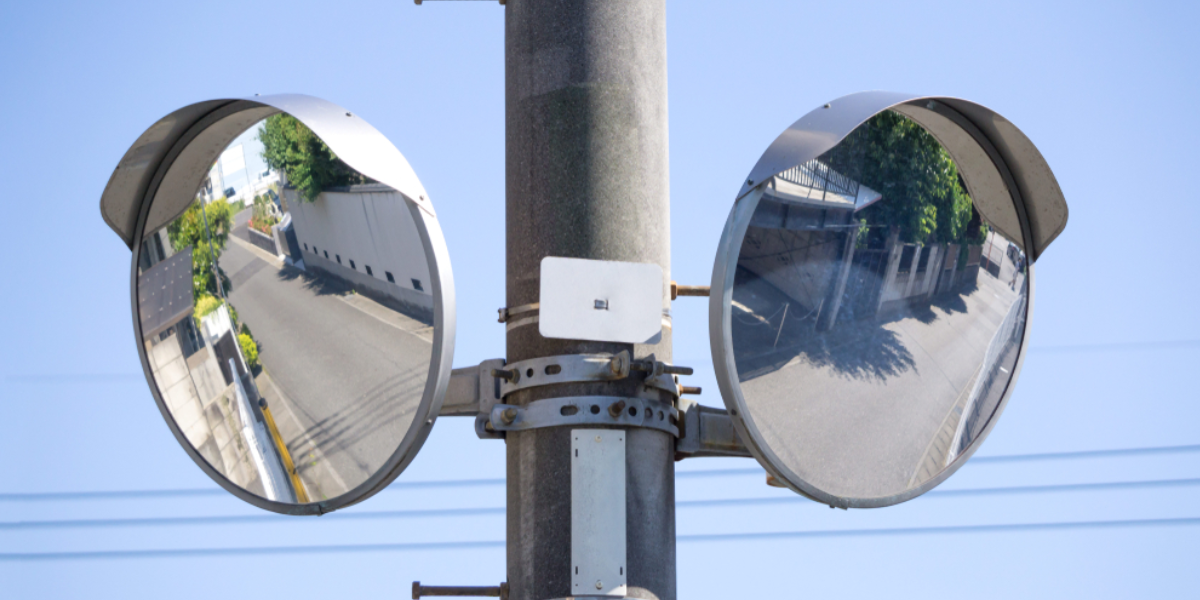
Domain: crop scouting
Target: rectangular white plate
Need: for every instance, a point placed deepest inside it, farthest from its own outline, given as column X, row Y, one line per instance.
column 601, row 300
column 598, row 512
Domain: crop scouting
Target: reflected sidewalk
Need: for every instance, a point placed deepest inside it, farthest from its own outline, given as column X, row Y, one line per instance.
column 321, row 482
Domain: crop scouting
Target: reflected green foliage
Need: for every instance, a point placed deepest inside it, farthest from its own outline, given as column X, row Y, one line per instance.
column 310, row 166
column 922, row 191
column 233, row 316
column 249, row 350
column 205, row 305
column 205, row 270
column 862, row 237
column 190, row 230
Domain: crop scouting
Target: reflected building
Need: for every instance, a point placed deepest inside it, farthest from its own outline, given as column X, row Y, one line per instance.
column 364, row 235
column 190, row 358
column 842, row 331
column 807, row 239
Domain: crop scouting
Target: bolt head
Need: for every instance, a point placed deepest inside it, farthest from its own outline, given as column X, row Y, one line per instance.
column 599, row 584
column 508, row 416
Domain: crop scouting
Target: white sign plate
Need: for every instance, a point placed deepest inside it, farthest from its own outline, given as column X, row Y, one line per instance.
column 601, row 300
column 598, row 512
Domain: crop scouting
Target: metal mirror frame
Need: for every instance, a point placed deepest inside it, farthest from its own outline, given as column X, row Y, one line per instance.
column 139, row 176
column 1031, row 185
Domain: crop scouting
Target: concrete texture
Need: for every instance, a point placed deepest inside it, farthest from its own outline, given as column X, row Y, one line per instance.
column 203, row 408
column 587, row 177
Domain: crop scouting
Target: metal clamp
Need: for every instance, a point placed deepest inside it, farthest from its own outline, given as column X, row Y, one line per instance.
column 476, row 391
column 568, row 368
column 472, row 392
column 573, row 411
column 574, row 368
column 706, row 431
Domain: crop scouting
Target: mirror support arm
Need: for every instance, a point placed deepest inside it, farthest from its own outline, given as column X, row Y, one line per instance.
column 706, row 431
column 473, row 392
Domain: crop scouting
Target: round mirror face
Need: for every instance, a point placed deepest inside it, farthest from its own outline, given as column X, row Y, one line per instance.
column 878, row 309
column 287, row 315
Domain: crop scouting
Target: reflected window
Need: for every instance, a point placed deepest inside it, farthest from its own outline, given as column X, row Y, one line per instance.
column 906, row 259
column 369, row 270
column 352, row 265
column 417, row 285
column 923, row 263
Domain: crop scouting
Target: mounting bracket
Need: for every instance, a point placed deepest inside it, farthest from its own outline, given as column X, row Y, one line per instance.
column 586, row 410
column 706, row 431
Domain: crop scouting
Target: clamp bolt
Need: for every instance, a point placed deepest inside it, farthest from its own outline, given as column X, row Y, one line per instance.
column 615, row 409
column 508, row 415
column 619, row 365
column 512, row 376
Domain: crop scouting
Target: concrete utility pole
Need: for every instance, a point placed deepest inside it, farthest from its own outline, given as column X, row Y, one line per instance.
column 586, row 151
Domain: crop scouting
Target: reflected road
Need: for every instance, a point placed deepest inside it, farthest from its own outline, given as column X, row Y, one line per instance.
column 344, row 375
column 865, row 388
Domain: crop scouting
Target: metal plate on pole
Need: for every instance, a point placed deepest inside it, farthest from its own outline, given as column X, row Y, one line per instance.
column 598, row 512
column 601, row 300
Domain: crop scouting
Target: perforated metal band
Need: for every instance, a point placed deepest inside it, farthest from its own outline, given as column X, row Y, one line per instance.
column 574, row 411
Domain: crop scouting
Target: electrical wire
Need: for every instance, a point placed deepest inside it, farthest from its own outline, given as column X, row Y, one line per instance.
column 484, row 511
column 487, row 544
column 450, row 483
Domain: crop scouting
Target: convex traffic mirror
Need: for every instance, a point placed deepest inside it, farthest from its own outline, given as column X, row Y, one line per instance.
column 292, row 296
column 872, row 293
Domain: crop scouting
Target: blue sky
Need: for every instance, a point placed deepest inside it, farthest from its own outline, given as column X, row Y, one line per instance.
column 1107, row 91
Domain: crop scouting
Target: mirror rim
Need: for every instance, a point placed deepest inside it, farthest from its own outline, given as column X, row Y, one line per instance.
column 340, row 136
column 810, row 137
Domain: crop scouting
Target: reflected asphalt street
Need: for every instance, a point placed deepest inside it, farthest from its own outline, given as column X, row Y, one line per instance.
column 869, row 408
column 345, row 374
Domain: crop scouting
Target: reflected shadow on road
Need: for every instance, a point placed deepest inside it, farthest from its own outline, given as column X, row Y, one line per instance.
column 318, row 284
column 949, row 302
column 862, row 350
column 383, row 406
column 323, row 283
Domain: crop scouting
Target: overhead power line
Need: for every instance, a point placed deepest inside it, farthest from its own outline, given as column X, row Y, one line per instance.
column 484, row 544
column 405, row 485
column 484, row 511
column 1117, row 347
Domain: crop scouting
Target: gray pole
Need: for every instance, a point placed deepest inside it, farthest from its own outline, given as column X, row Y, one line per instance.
column 586, row 152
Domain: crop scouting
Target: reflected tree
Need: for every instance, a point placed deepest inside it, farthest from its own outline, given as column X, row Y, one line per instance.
column 189, row 231
column 309, row 164
column 923, row 193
